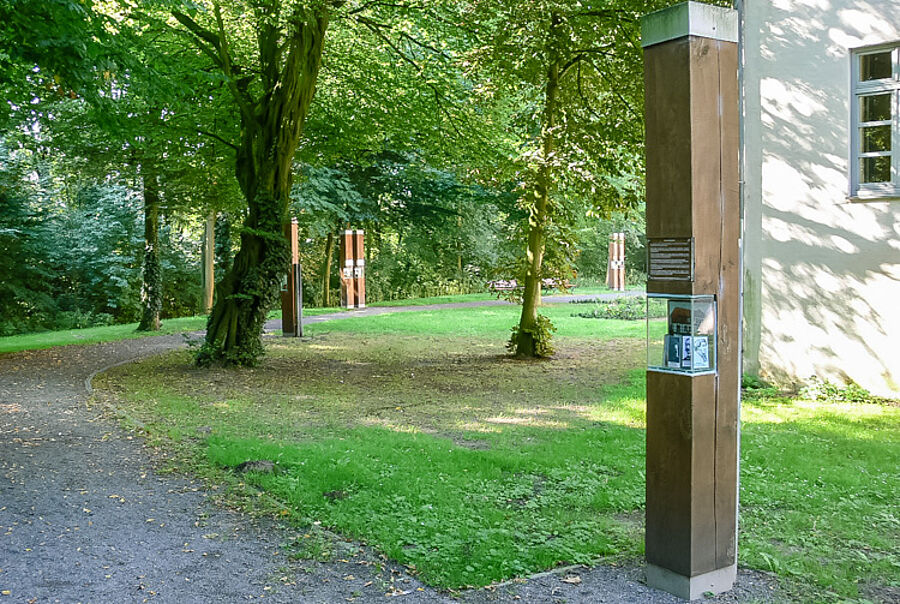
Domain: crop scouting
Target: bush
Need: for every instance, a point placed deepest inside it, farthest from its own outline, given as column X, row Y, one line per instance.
column 822, row 390
column 628, row 309
column 542, row 334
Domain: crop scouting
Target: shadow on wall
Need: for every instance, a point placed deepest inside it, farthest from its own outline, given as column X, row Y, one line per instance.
column 822, row 274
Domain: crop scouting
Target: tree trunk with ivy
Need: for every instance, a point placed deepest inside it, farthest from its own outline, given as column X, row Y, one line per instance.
column 222, row 237
column 289, row 59
column 151, row 288
column 532, row 337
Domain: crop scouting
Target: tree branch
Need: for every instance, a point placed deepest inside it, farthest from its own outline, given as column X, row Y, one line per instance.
column 200, row 36
column 375, row 28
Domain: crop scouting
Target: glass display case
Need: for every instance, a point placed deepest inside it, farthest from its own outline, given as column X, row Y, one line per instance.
column 685, row 342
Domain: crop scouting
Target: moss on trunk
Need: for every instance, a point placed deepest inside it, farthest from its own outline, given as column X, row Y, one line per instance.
column 270, row 132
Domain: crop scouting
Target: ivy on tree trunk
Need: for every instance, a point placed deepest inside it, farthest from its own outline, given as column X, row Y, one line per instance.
column 151, row 289
column 290, row 53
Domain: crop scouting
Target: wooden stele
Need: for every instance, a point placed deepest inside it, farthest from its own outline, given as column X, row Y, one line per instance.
column 359, row 268
column 691, row 110
column 348, row 283
column 615, row 273
column 291, row 293
column 611, row 263
column 620, row 257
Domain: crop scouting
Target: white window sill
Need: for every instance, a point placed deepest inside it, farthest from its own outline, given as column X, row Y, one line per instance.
column 874, row 197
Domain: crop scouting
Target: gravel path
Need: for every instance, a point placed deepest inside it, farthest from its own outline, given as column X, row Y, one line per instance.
column 84, row 517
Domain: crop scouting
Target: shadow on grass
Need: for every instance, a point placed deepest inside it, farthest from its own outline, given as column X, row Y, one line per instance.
column 819, row 492
column 463, row 516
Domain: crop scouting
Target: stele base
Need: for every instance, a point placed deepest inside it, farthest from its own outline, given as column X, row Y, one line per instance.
column 691, row 588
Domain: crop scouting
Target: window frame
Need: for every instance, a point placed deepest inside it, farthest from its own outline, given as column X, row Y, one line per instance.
column 860, row 191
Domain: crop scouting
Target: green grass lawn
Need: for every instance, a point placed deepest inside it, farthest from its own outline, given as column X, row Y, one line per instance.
column 591, row 290
column 493, row 322
column 93, row 335
column 112, row 333
column 438, row 300
column 416, row 434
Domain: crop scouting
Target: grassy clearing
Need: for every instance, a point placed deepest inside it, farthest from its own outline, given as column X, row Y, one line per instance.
column 492, row 322
column 478, row 297
column 438, row 300
column 113, row 333
column 819, row 493
column 419, row 436
column 94, row 335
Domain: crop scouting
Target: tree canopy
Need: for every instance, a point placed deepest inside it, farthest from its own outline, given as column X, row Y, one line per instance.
column 472, row 140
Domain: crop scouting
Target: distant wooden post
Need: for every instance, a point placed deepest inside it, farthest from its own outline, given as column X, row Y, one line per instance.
column 291, row 313
column 610, row 263
column 359, row 268
column 209, row 262
column 693, row 233
column 348, row 283
column 615, row 272
column 620, row 256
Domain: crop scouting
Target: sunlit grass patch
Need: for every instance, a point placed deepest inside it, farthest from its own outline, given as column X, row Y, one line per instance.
column 446, row 454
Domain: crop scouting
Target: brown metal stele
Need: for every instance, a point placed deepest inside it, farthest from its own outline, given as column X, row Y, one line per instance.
column 692, row 130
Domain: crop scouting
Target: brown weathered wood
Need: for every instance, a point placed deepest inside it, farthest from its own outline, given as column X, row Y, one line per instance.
column 348, row 291
column 209, row 262
column 728, row 404
column 692, row 190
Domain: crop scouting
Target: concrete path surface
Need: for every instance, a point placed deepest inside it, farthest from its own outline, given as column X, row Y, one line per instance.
column 85, row 516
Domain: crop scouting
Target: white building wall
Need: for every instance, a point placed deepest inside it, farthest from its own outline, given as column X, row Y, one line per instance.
column 822, row 273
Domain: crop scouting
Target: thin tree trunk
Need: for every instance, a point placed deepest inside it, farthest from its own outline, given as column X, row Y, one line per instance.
column 326, row 269
column 525, row 341
column 209, row 262
column 151, row 289
column 459, row 263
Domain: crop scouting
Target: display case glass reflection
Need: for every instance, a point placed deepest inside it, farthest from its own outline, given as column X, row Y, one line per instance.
column 686, row 342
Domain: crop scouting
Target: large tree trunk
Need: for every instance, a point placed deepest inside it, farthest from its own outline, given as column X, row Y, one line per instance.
column 270, row 133
column 526, row 343
column 151, row 289
column 326, row 269
column 209, row 262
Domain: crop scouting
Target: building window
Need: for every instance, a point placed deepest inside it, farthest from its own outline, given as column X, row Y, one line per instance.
column 875, row 150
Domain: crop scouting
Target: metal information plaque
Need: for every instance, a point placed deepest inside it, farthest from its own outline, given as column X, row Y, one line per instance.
column 671, row 259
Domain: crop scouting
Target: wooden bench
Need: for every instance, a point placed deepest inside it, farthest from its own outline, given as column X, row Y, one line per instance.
column 508, row 285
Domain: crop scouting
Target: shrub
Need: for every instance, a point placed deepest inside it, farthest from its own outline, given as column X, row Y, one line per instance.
column 628, row 309
column 542, row 334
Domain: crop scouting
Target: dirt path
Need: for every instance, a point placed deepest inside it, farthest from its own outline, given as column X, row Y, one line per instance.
column 85, row 518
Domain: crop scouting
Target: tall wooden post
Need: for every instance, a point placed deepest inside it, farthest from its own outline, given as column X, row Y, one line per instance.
column 359, row 268
column 291, row 314
column 693, row 232
column 209, row 262
column 348, row 283
column 611, row 263
column 620, row 257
